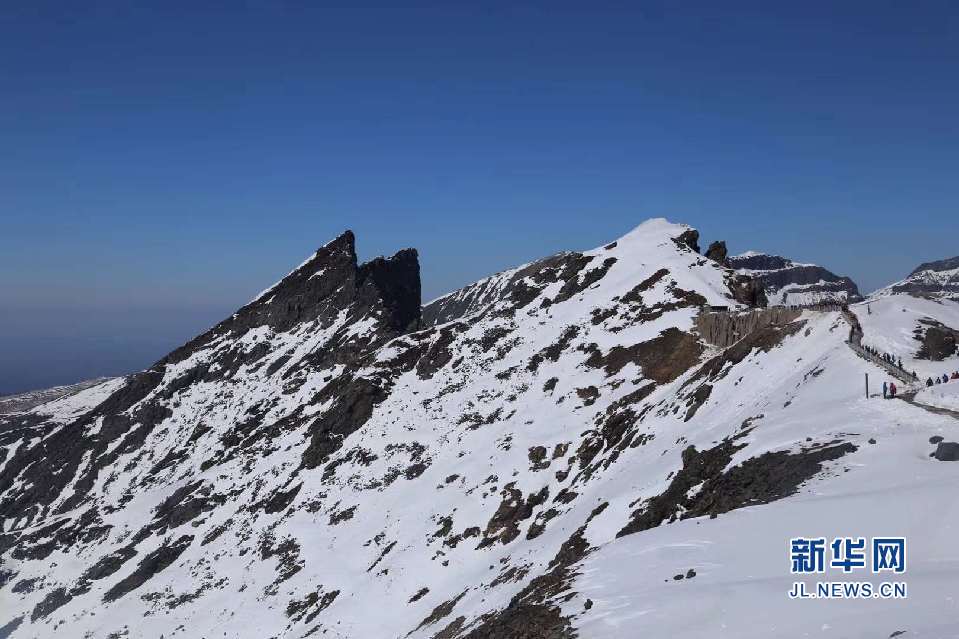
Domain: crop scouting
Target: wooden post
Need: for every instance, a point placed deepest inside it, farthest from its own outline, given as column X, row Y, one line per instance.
column 867, row 385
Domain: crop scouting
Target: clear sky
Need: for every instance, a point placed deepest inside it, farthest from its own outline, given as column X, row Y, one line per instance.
column 163, row 163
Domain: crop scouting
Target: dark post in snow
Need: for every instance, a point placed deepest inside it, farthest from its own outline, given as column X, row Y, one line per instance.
column 867, row 385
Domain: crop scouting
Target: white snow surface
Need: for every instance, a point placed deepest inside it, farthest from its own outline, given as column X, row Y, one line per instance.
column 889, row 323
column 371, row 530
column 941, row 395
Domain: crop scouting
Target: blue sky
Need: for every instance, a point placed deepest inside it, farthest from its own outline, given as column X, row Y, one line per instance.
column 163, row 163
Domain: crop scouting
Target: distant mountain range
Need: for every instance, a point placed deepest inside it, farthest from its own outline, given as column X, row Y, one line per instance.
column 933, row 280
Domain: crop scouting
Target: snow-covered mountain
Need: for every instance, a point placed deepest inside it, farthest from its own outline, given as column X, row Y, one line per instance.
column 917, row 319
column 932, row 280
column 554, row 451
column 791, row 283
column 19, row 402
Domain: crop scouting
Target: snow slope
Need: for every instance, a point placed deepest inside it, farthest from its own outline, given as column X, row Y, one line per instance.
column 536, row 455
column 30, row 400
column 890, row 322
column 941, row 395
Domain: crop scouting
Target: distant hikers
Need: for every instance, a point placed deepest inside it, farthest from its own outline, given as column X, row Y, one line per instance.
column 955, row 375
column 929, row 382
column 892, row 390
column 945, row 378
column 884, row 391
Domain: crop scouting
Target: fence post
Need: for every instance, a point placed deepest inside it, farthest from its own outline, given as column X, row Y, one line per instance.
column 867, row 385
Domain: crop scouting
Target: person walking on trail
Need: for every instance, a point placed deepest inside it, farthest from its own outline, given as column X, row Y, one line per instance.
column 892, row 390
column 929, row 381
column 884, row 391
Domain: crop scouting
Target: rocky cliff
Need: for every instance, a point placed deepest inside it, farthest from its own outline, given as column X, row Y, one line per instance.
column 790, row 283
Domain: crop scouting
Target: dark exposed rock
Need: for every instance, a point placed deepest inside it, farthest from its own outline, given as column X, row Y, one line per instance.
column 524, row 621
column 9, row 627
column 422, row 592
column 55, row 599
column 635, row 295
column 938, row 340
column 279, row 501
column 717, row 252
column 689, row 239
column 947, row 451
column 758, row 480
column 575, row 284
column 662, row 359
column 781, row 277
column 747, row 290
column 514, row 508
column 725, row 328
column 156, row 561
column 534, row 603
column 355, row 399
column 308, row 608
column 109, row 564
column 554, row 350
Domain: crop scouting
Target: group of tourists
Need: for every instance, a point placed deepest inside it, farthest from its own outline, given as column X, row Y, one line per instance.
column 944, row 379
column 889, row 390
column 889, row 358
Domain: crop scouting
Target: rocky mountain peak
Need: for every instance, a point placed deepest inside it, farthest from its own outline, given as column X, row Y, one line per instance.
column 717, row 252
column 328, row 283
column 396, row 281
column 948, row 264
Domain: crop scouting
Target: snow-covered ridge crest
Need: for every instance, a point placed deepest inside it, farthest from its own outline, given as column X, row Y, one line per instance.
column 654, row 244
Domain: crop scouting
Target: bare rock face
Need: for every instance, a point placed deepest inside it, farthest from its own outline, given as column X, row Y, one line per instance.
column 725, row 329
column 789, row 283
column 747, row 290
column 947, row 451
column 717, row 252
column 938, row 341
column 689, row 239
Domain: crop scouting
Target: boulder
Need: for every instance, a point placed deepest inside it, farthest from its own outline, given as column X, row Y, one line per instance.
column 717, row 252
column 947, row 451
